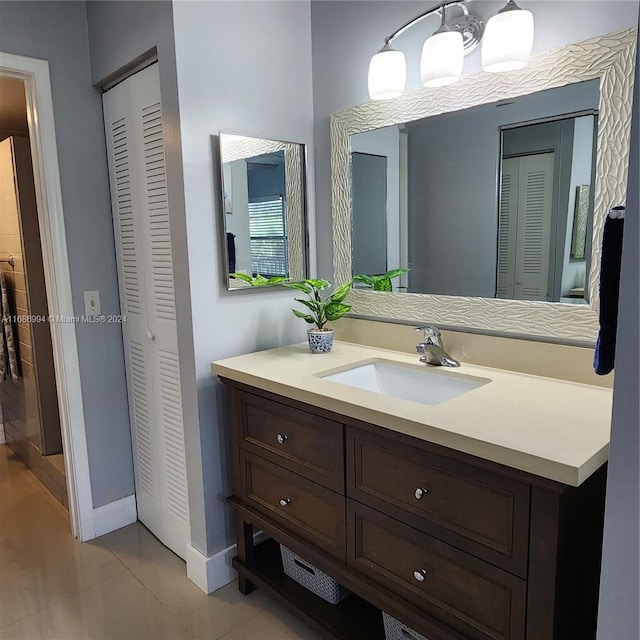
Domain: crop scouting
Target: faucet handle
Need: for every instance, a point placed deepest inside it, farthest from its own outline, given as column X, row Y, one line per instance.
column 431, row 334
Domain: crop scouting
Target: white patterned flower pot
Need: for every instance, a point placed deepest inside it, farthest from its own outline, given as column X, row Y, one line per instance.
column 320, row 341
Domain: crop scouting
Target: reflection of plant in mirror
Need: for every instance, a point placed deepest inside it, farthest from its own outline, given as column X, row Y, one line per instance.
column 258, row 281
column 381, row 282
column 322, row 311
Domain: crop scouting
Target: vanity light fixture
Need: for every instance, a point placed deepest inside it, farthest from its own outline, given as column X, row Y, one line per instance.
column 507, row 45
column 442, row 56
column 508, row 39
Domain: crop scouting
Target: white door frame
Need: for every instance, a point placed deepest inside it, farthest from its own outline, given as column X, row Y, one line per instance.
column 44, row 151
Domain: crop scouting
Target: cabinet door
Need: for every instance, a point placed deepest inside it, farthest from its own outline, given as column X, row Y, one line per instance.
column 134, row 131
column 481, row 512
column 468, row 595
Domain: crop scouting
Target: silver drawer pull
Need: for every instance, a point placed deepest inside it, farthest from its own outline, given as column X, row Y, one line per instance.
column 420, row 575
column 285, row 501
column 282, row 438
column 420, row 493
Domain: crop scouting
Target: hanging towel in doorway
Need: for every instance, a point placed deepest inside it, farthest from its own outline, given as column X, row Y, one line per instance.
column 610, row 266
column 8, row 359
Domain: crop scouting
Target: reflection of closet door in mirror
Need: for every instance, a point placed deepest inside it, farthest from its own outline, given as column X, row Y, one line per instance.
column 525, row 227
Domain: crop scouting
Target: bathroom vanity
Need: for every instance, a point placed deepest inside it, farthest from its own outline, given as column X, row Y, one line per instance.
column 475, row 517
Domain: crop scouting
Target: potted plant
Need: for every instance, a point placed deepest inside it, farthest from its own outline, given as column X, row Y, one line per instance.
column 380, row 282
column 322, row 308
column 258, row 281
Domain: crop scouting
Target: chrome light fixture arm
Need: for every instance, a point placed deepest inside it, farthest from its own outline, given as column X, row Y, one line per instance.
column 434, row 10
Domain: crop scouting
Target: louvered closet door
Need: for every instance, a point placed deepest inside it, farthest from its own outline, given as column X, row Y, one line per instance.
column 507, row 229
column 524, row 231
column 133, row 125
column 535, row 193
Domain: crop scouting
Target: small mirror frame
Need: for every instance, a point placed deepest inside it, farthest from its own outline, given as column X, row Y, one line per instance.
column 295, row 154
column 610, row 58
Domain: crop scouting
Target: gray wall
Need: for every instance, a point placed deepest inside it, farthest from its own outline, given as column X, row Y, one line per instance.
column 57, row 32
column 619, row 589
column 120, row 32
column 243, row 67
column 347, row 33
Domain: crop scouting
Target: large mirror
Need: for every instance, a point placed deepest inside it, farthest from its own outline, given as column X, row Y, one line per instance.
column 491, row 193
column 494, row 201
column 263, row 204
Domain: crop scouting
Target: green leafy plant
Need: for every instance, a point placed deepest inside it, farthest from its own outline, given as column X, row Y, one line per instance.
column 381, row 282
column 258, row 281
column 322, row 308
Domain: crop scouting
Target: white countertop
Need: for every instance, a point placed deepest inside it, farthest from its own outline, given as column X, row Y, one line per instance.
column 551, row 428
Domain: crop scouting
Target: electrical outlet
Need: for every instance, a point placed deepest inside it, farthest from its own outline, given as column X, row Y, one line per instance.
column 92, row 303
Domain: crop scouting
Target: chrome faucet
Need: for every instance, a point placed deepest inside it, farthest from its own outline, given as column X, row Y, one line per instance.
column 432, row 350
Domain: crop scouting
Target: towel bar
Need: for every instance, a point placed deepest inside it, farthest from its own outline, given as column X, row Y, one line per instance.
column 10, row 260
column 616, row 213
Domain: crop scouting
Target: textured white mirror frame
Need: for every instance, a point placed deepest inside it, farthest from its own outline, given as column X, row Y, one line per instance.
column 610, row 58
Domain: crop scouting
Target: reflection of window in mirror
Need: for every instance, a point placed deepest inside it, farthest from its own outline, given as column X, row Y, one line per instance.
column 256, row 200
column 267, row 215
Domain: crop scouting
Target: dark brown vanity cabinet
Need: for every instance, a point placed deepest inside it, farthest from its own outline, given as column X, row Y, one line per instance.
column 454, row 546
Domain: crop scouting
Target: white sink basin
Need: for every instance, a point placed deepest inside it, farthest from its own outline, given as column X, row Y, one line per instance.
column 423, row 384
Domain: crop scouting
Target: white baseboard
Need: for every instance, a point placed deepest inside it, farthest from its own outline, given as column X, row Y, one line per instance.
column 114, row 515
column 213, row 572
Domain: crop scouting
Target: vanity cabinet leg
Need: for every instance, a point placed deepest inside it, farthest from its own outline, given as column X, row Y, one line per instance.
column 244, row 534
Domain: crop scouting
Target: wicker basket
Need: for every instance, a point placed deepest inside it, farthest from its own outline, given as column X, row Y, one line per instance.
column 396, row 630
column 311, row 577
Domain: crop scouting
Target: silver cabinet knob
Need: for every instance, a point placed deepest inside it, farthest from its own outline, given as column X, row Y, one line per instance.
column 285, row 501
column 420, row 575
column 282, row 438
column 420, row 493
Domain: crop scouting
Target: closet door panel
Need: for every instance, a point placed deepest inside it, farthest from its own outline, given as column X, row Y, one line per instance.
column 535, row 194
column 154, row 216
column 119, row 129
column 508, row 228
column 146, row 275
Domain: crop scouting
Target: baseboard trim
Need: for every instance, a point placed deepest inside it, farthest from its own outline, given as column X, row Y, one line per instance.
column 213, row 572
column 114, row 515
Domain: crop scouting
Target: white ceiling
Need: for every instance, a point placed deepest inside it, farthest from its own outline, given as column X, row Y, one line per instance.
column 13, row 106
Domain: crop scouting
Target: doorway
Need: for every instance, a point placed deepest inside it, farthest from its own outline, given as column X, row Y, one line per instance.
column 66, row 389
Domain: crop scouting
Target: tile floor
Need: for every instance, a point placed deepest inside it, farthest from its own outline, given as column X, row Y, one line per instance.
column 123, row 585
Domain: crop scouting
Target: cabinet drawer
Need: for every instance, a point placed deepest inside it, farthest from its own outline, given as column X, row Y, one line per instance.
column 478, row 511
column 303, row 442
column 315, row 513
column 468, row 595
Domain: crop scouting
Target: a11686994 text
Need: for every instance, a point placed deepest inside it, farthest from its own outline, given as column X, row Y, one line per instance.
column 38, row 319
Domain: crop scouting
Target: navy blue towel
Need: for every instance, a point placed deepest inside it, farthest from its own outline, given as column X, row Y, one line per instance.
column 609, row 293
column 231, row 251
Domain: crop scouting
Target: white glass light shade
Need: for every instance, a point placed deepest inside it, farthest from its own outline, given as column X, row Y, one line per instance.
column 442, row 59
column 387, row 75
column 507, row 42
